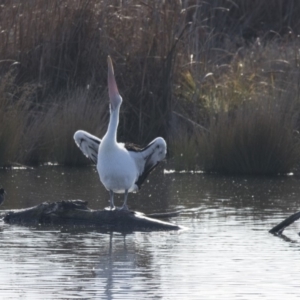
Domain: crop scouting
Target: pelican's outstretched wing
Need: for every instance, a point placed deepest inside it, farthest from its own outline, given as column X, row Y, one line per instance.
column 88, row 144
column 148, row 158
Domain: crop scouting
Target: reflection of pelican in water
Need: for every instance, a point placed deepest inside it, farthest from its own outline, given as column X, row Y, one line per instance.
column 2, row 195
column 115, row 265
column 122, row 168
column 125, row 266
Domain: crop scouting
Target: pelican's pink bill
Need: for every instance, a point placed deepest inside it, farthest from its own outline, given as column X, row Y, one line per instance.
column 113, row 92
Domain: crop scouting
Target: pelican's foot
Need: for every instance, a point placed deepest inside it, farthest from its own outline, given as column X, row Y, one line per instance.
column 124, row 207
column 110, row 208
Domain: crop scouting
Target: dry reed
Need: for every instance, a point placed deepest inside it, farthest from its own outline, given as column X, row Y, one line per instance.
column 210, row 61
column 250, row 112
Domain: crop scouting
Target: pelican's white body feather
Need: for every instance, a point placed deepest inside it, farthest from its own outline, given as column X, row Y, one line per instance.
column 117, row 169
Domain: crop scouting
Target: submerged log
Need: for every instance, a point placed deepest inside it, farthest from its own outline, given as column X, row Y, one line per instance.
column 77, row 213
column 278, row 229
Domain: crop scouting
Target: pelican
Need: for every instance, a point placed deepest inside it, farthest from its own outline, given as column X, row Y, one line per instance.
column 122, row 168
column 2, row 195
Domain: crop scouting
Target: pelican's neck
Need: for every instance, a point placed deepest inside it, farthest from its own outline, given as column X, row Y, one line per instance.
column 111, row 134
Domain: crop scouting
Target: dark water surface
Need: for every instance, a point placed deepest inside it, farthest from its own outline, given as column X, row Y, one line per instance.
column 226, row 253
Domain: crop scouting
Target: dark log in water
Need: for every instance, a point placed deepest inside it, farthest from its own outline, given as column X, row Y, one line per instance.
column 278, row 229
column 76, row 213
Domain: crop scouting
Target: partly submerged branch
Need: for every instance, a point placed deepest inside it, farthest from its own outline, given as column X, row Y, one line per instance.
column 76, row 213
column 278, row 229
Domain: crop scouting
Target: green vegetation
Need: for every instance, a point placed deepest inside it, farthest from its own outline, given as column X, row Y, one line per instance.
column 220, row 78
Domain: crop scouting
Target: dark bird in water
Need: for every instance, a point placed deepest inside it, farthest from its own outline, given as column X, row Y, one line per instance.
column 122, row 168
column 2, row 195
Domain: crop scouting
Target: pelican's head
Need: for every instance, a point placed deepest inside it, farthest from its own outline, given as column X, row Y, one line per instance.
column 159, row 148
column 114, row 96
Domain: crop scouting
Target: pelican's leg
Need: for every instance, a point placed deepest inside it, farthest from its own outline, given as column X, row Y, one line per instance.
column 111, row 194
column 125, row 207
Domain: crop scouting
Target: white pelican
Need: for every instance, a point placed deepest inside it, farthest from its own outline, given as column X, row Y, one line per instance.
column 122, row 167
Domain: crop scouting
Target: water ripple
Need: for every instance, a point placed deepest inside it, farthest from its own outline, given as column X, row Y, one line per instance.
column 226, row 253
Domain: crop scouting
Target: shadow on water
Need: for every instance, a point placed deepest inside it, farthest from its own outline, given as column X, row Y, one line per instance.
column 227, row 244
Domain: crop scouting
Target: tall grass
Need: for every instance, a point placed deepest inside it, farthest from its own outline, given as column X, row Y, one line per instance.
column 14, row 118
column 209, row 61
column 34, row 134
column 250, row 113
column 260, row 138
column 54, row 127
column 61, row 45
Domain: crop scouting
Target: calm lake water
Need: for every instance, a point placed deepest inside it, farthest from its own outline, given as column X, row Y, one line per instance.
column 226, row 252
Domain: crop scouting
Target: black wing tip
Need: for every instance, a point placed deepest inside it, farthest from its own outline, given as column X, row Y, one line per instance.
column 94, row 140
column 145, row 174
column 88, row 144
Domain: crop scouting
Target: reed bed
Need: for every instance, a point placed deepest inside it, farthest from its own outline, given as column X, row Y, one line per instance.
column 54, row 127
column 247, row 116
column 227, row 68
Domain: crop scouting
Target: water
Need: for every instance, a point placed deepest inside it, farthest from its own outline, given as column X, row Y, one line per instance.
column 226, row 252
